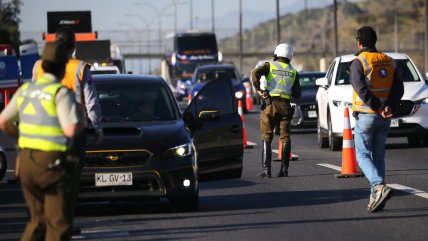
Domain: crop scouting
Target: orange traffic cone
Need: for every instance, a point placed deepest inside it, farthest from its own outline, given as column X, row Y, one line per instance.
column 244, row 131
column 189, row 98
column 292, row 156
column 248, row 99
column 349, row 161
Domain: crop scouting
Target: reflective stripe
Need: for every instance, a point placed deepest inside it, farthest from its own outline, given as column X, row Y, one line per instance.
column 78, row 72
column 347, row 144
column 40, row 144
column 346, row 123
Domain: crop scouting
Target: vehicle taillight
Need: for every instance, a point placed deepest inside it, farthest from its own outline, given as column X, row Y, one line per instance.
column 6, row 49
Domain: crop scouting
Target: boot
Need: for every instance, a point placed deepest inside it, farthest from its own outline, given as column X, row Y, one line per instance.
column 266, row 159
column 285, row 159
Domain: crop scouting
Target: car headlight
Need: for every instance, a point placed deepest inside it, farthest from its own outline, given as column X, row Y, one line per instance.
column 339, row 103
column 239, row 94
column 179, row 151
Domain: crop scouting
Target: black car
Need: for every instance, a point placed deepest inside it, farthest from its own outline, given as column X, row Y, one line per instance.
column 305, row 112
column 153, row 150
column 205, row 73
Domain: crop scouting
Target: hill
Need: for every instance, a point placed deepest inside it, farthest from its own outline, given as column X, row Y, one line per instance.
column 399, row 24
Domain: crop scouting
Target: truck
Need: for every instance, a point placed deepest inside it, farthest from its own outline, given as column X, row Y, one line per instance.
column 183, row 52
column 102, row 55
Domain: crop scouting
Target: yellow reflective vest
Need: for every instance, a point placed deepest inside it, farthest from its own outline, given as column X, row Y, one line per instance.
column 39, row 127
column 378, row 72
column 280, row 79
column 72, row 78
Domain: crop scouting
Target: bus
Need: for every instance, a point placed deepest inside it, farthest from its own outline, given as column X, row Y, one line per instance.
column 183, row 52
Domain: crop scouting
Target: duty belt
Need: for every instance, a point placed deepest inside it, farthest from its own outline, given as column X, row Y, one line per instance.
column 279, row 98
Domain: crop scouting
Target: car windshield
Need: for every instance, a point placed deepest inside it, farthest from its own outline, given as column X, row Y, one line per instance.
column 210, row 74
column 307, row 81
column 135, row 102
column 406, row 71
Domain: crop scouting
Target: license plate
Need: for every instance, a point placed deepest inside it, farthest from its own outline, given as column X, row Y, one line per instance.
column 113, row 179
column 312, row 114
column 395, row 123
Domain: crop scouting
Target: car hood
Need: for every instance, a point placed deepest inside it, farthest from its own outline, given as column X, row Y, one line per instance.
column 153, row 136
column 341, row 93
column 415, row 91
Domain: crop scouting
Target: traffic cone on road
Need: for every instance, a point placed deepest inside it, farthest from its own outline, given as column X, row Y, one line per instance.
column 349, row 161
column 292, row 156
column 248, row 99
column 189, row 98
column 241, row 113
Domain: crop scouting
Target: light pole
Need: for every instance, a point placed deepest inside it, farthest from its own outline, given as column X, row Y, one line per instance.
column 159, row 14
column 176, row 3
column 148, row 37
column 240, row 36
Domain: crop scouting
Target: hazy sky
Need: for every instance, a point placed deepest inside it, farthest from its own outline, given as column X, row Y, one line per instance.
column 106, row 14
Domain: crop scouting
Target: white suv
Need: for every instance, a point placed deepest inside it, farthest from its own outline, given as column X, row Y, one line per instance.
column 335, row 92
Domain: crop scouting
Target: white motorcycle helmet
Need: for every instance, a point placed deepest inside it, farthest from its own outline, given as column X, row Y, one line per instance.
column 284, row 50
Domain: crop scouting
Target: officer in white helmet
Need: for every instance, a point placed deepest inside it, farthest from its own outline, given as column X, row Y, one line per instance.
column 282, row 84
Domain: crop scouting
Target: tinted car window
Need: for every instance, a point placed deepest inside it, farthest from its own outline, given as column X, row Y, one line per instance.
column 131, row 102
column 308, row 81
column 210, row 74
column 330, row 72
column 220, row 91
column 406, row 71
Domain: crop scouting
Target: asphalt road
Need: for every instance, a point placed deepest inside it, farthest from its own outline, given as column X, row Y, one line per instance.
column 310, row 204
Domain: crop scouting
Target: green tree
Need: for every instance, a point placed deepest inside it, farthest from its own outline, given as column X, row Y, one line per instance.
column 9, row 22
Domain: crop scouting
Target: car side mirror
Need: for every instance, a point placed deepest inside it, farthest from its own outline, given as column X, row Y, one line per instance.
column 209, row 115
column 322, row 82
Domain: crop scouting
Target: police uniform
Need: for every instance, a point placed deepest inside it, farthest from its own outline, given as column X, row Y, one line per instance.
column 282, row 83
column 49, row 177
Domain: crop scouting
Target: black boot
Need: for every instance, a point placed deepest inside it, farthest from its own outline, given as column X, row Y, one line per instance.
column 266, row 159
column 285, row 159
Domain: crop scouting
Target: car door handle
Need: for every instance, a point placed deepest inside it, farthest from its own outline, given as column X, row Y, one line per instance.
column 236, row 128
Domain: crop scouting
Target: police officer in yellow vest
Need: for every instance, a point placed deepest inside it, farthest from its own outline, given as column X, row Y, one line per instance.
column 377, row 92
column 48, row 121
column 282, row 84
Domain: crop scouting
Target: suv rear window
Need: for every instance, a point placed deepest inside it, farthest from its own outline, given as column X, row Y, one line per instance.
column 406, row 71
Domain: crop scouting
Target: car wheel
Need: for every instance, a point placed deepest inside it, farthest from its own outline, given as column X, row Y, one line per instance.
column 3, row 166
column 322, row 140
column 414, row 140
column 186, row 203
column 334, row 143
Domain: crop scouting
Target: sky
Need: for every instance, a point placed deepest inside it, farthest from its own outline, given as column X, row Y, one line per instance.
column 112, row 18
column 107, row 14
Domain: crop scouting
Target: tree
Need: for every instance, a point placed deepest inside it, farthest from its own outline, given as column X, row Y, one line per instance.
column 9, row 22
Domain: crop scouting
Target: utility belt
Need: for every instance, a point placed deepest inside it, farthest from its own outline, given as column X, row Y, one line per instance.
column 50, row 159
column 279, row 98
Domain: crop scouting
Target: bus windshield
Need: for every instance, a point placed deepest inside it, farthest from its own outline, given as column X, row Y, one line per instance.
column 197, row 44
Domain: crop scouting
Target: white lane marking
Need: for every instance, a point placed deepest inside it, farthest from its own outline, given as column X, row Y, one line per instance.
column 275, row 150
column 403, row 188
column 337, row 168
column 410, row 190
column 251, row 143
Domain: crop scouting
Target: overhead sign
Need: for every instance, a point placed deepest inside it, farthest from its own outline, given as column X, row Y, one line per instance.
column 78, row 21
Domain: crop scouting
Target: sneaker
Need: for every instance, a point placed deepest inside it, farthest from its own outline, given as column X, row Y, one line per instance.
column 382, row 194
